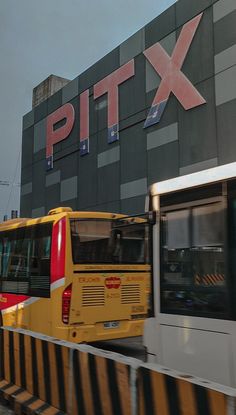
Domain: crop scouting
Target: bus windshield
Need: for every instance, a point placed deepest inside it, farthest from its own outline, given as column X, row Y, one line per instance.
column 105, row 241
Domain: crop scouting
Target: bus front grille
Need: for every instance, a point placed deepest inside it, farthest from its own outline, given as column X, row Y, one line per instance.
column 93, row 296
column 130, row 294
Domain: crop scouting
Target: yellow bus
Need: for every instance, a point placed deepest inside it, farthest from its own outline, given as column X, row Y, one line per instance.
column 76, row 276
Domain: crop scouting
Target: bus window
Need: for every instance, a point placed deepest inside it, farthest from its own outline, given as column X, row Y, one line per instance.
column 134, row 244
column 25, row 260
column 1, row 256
column 15, row 262
column 96, row 241
column 192, row 255
column 90, row 240
column 40, row 261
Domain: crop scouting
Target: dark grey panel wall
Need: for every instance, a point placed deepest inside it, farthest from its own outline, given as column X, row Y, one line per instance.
column 226, row 127
column 199, row 62
column 55, row 101
column 97, row 114
column 133, row 205
column 197, row 128
column 52, row 196
column 28, row 120
column 186, row 10
column 68, row 165
column 225, row 32
column 40, row 111
column 26, row 174
column 132, row 92
column 133, row 146
column 27, row 147
column 38, row 184
column 160, row 27
column 99, row 70
column 26, row 206
column 87, row 181
column 107, row 207
column 108, row 188
column 163, row 162
column 102, row 144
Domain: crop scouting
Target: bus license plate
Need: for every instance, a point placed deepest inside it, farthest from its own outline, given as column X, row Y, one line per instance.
column 111, row 324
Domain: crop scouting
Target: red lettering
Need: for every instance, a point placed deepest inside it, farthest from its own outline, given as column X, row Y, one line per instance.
column 53, row 135
column 84, row 123
column 110, row 85
column 173, row 80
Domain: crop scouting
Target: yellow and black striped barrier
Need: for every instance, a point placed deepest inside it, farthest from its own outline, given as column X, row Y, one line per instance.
column 101, row 385
column 33, row 372
column 209, row 279
column 164, row 391
column 41, row 375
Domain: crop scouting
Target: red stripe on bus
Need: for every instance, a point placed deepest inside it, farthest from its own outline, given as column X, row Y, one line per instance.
column 58, row 250
column 9, row 300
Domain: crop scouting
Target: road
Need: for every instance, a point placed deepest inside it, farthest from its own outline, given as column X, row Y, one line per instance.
column 132, row 347
column 4, row 410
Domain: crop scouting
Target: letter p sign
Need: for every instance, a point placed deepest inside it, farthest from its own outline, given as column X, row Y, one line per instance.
column 59, row 126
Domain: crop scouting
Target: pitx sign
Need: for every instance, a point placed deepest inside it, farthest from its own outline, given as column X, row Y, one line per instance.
column 173, row 81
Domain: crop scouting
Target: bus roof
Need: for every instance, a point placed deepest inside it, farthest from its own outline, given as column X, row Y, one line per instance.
column 56, row 214
column 203, row 177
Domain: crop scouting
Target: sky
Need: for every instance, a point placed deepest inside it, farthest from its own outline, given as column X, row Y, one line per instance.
column 60, row 37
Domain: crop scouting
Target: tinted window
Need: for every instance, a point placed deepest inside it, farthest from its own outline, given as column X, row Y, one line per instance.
column 25, row 260
column 192, row 261
column 104, row 241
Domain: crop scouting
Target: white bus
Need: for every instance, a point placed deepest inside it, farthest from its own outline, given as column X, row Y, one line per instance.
column 193, row 328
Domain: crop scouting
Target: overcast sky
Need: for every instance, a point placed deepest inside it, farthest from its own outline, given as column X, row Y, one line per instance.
column 61, row 37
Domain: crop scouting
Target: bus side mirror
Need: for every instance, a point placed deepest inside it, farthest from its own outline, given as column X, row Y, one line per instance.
column 152, row 217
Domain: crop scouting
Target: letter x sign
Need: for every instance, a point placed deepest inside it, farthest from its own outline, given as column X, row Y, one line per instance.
column 172, row 78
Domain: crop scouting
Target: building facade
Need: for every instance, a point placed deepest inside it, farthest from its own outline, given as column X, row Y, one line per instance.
column 160, row 105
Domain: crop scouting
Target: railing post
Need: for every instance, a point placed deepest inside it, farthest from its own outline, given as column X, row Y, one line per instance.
column 133, row 387
column 70, row 383
column 231, row 405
